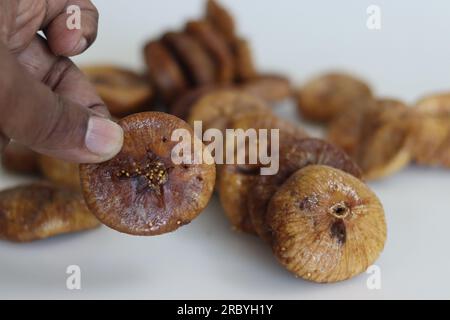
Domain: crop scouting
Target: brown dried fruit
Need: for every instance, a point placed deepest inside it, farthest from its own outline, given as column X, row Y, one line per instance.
column 244, row 63
column 434, row 105
column 221, row 19
column 294, row 155
column 123, row 91
column 235, row 184
column 17, row 158
column 40, row 211
column 217, row 48
column 329, row 95
column 270, row 88
column 141, row 191
column 385, row 145
column 217, row 109
column 197, row 65
column 182, row 106
column 386, row 151
column 327, row 225
column 346, row 129
column 377, row 136
column 431, row 131
column 165, row 73
column 60, row 172
column 237, row 181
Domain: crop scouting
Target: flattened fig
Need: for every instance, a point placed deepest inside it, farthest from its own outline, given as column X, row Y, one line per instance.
column 244, row 63
column 434, row 105
column 386, row 141
column 327, row 96
column 142, row 191
column 235, row 184
column 60, row 172
column 431, row 131
column 217, row 108
column 40, row 211
column 327, row 225
column 294, row 155
column 237, row 181
column 377, row 136
column 221, row 19
column 122, row 90
column 386, row 151
column 269, row 87
column 216, row 46
column 165, row 73
column 17, row 158
column 194, row 60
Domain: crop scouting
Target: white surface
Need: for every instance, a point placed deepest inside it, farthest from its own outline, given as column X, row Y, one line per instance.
column 407, row 58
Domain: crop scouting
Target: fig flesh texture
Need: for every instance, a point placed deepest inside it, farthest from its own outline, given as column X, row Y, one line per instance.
column 326, row 225
column 329, row 95
column 42, row 210
column 123, row 91
column 142, row 191
column 294, row 155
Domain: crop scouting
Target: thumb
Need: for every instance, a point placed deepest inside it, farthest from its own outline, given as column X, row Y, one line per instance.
column 33, row 115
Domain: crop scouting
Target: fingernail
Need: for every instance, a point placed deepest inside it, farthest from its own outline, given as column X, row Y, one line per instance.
column 104, row 138
column 81, row 45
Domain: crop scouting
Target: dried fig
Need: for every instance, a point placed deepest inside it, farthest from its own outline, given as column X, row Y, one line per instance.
column 385, row 145
column 294, row 155
column 386, row 151
column 221, row 19
column 326, row 225
column 345, row 131
column 217, row 108
column 434, row 105
column 216, row 47
column 194, row 60
column 17, row 158
column 431, row 131
column 237, row 181
column 123, row 91
column 329, row 95
column 377, row 136
column 60, row 172
column 165, row 73
column 244, row 63
column 235, row 184
column 270, row 88
column 39, row 211
column 182, row 106
column 142, row 191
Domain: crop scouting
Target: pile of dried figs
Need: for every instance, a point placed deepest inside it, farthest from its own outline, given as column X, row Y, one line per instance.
column 321, row 220
column 383, row 135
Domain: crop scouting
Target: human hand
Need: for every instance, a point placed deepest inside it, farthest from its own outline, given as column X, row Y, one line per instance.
column 45, row 101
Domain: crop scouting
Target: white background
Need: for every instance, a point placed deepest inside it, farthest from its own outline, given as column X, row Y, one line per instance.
column 407, row 58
